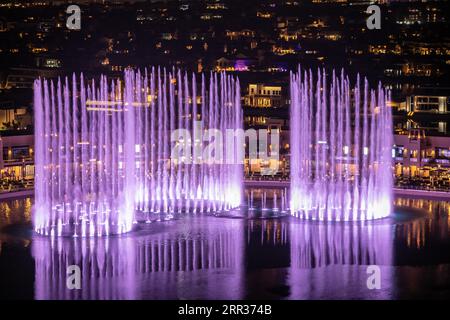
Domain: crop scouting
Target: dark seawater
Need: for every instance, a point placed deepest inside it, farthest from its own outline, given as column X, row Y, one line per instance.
column 206, row 257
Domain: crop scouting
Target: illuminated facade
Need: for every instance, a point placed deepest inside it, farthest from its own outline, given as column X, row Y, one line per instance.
column 419, row 155
column 427, row 103
column 265, row 96
column 16, row 161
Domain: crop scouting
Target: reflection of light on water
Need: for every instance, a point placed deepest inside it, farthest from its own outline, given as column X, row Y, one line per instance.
column 167, row 264
column 316, row 245
column 6, row 213
column 163, row 253
column 274, row 232
column 201, row 257
column 107, row 268
column 27, row 209
column 416, row 233
column 15, row 211
column 431, row 206
column 331, row 258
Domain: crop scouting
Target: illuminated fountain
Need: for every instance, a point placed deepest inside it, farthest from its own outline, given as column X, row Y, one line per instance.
column 276, row 205
column 104, row 150
column 341, row 158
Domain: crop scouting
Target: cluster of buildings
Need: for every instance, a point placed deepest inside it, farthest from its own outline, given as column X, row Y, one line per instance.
column 421, row 150
column 258, row 40
column 251, row 36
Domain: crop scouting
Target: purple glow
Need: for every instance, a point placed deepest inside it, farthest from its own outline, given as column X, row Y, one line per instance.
column 149, row 266
column 202, row 257
column 330, row 255
column 103, row 151
column 341, row 161
column 241, row 65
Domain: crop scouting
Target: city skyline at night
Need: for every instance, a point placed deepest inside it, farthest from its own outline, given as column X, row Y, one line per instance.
column 224, row 150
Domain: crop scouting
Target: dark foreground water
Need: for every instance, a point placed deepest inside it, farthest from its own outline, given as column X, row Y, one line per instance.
column 205, row 257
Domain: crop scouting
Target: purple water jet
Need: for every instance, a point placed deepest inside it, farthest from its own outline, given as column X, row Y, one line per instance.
column 341, row 142
column 103, row 150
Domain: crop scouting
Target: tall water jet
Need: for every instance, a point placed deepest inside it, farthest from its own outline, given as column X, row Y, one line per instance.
column 104, row 150
column 341, row 148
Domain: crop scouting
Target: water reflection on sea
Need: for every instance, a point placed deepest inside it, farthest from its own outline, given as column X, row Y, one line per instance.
column 203, row 257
